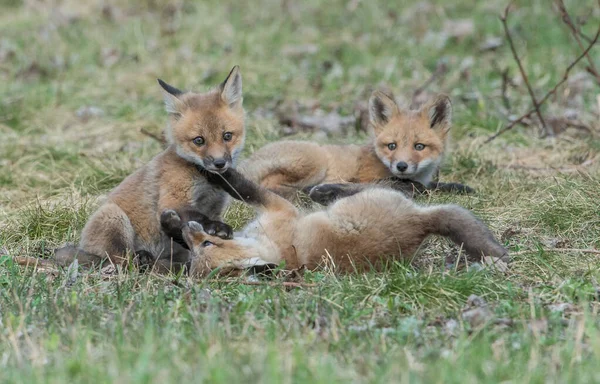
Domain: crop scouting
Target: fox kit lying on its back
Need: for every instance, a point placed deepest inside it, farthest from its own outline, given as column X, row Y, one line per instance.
column 408, row 146
column 205, row 135
column 355, row 232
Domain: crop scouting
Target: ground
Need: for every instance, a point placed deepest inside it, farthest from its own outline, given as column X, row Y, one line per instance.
column 78, row 84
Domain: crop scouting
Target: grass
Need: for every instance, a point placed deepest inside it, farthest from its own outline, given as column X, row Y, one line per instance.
column 408, row 323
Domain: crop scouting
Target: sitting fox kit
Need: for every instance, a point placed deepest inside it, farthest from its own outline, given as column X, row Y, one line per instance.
column 354, row 233
column 205, row 134
column 408, row 146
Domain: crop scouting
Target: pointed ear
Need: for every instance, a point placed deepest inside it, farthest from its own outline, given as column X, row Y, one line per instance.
column 439, row 113
column 173, row 103
column 193, row 233
column 231, row 88
column 382, row 108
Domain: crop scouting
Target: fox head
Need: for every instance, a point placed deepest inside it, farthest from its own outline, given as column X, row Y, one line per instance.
column 207, row 129
column 211, row 252
column 410, row 143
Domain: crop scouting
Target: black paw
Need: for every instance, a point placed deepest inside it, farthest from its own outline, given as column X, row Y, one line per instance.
column 217, row 228
column 143, row 260
column 457, row 188
column 326, row 194
column 170, row 221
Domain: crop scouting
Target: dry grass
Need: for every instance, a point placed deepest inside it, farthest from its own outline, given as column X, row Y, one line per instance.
column 59, row 157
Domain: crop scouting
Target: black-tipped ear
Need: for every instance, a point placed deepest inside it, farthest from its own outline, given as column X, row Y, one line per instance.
column 173, row 104
column 439, row 112
column 382, row 108
column 169, row 88
column 231, row 88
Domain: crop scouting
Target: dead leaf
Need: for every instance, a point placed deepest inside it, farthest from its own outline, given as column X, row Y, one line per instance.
column 561, row 307
column 495, row 263
column 491, row 44
column 458, row 29
column 86, row 113
column 554, row 242
column 476, row 312
column 538, row 326
column 110, row 57
column 299, row 50
column 72, row 273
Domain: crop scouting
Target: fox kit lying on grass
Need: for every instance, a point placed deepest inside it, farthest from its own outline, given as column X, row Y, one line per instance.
column 355, row 232
column 205, row 134
column 409, row 146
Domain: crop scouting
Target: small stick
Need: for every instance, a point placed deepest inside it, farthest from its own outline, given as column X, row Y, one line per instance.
column 440, row 71
column 582, row 250
column 549, row 93
column 505, row 83
column 536, row 104
column 160, row 139
column 576, row 34
column 290, row 284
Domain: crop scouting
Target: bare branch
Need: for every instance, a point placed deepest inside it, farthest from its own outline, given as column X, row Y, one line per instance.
column 577, row 35
column 160, row 139
column 549, row 93
column 504, row 18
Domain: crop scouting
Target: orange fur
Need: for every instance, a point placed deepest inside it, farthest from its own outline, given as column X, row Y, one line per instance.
column 288, row 166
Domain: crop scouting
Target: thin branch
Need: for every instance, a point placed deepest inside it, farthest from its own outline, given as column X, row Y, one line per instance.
column 536, row 104
column 440, row 70
column 577, row 34
column 565, row 250
column 550, row 93
column 505, row 83
column 154, row 136
column 287, row 284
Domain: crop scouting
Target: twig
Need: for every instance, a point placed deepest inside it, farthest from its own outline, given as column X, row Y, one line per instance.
column 536, row 104
column 582, row 250
column 289, row 284
column 550, row 93
column 440, row 70
column 505, row 83
column 160, row 139
column 576, row 34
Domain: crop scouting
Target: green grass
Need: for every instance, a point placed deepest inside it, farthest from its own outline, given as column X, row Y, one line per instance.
column 403, row 324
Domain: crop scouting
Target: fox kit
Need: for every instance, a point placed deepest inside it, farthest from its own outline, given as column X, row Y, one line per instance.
column 354, row 232
column 408, row 146
column 205, row 135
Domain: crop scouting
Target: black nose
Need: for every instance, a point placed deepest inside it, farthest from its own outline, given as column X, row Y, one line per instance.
column 219, row 163
column 402, row 166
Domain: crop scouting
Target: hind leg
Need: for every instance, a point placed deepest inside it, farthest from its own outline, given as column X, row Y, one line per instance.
column 108, row 234
column 173, row 259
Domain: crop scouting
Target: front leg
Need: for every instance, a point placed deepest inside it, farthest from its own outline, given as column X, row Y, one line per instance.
column 451, row 187
column 326, row 194
column 173, row 221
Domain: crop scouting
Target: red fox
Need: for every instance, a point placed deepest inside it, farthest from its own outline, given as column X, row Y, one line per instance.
column 409, row 146
column 353, row 233
column 205, row 135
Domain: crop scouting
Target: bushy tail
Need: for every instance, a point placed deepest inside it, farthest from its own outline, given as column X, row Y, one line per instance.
column 66, row 255
column 63, row 257
column 464, row 229
column 256, row 168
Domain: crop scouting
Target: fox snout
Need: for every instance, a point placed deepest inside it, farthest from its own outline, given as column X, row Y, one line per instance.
column 217, row 165
column 404, row 169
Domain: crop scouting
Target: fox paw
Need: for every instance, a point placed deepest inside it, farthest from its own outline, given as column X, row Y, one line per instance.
column 326, row 194
column 170, row 220
column 217, row 228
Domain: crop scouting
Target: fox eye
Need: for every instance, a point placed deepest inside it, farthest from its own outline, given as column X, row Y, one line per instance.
column 227, row 136
column 392, row 146
column 198, row 141
column 419, row 146
column 206, row 243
